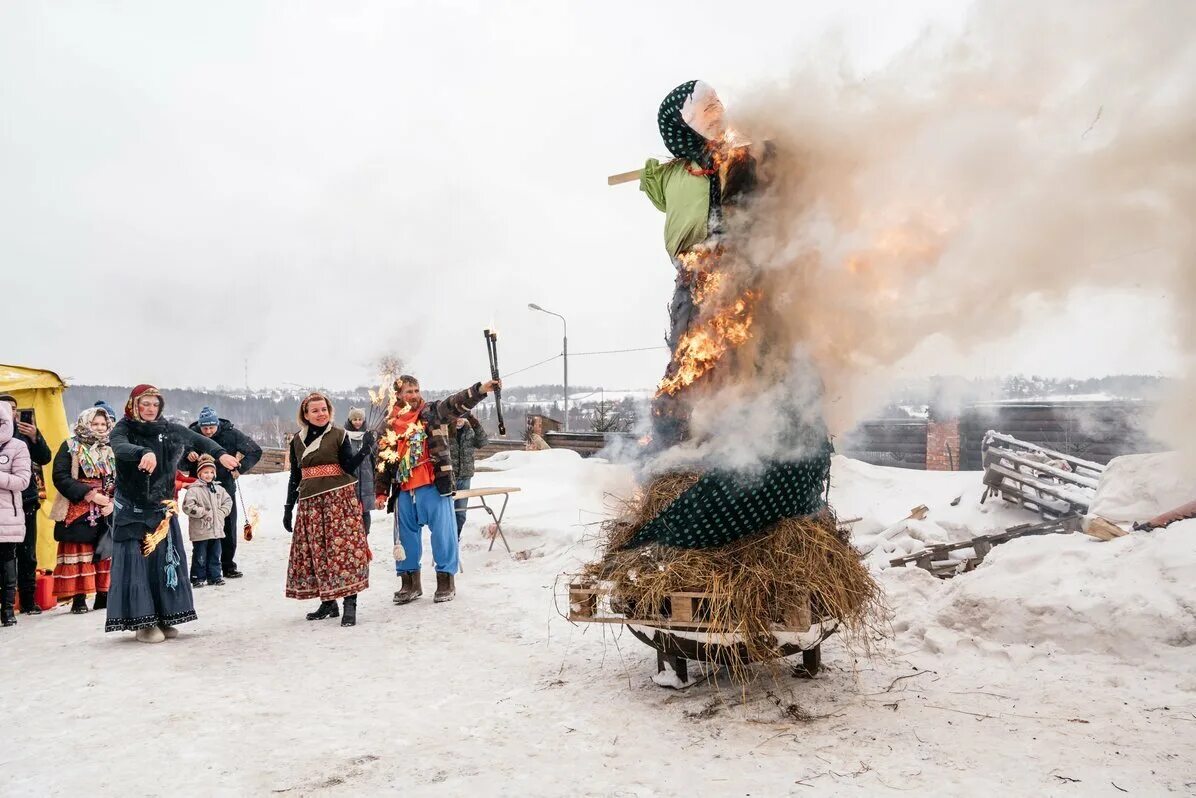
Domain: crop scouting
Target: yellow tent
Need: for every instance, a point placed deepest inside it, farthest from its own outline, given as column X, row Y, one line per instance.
column 41, row 390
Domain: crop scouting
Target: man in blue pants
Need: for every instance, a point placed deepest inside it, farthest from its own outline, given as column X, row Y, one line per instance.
column 416, row 481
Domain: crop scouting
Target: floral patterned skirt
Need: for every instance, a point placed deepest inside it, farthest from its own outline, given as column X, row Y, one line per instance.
column 330, row 557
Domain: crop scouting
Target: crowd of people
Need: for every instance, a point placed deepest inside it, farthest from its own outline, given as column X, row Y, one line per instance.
column 117, row 510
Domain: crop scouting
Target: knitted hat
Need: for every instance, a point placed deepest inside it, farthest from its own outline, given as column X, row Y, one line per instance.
column 208, row 417
column 107, row 408
column 205, row 461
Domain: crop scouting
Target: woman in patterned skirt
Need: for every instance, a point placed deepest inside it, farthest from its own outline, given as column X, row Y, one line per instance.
column 330, row 558
column 85, row 476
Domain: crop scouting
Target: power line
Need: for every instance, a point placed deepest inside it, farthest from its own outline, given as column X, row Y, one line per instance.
column 617, row 351
column 582, row 354
column 528, row 368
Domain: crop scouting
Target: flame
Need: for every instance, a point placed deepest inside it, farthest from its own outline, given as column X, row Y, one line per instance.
column 701, row 348
column 254, row 516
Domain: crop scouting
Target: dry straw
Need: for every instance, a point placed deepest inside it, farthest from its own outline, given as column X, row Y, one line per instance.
column 756, row 582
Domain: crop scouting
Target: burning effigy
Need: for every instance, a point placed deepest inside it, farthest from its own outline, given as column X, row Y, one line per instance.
column 729, row 551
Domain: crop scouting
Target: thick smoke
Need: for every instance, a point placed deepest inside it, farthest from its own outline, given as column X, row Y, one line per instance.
column 1046, row 149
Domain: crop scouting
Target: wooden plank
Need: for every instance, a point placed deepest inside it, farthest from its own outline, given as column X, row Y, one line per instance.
column 624, row 177
column 474, row 493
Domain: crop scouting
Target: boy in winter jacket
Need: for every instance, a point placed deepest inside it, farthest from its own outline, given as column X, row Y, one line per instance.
column 16, row 470
column 206, row 505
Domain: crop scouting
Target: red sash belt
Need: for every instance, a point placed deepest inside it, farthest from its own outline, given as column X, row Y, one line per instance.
column 314, row 472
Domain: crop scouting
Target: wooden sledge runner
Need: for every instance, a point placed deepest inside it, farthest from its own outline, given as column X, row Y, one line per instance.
column 676, row 627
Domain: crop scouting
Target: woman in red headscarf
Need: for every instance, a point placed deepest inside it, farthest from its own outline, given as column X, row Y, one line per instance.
column 150, row 592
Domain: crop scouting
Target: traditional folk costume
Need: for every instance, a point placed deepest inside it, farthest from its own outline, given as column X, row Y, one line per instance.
column 416, row 478
column 330, row 556
column 149, row 561
column 84, row 463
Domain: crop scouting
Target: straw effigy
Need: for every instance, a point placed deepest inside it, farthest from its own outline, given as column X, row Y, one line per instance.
column 756, row 581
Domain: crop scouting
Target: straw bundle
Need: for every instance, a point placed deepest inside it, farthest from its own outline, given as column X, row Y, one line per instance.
column 757, row 581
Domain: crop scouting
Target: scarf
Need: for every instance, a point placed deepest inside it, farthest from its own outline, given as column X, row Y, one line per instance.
column 138, row 392
column 403, row 444
column 94, row 455
column 686, row 143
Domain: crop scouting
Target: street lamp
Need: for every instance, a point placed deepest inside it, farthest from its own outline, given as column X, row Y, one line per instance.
column 564, row 352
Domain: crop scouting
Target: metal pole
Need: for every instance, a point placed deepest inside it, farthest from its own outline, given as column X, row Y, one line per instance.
column 565, row 349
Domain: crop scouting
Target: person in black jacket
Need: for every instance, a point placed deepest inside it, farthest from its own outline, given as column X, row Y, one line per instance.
column 150, row 592
column 240, row 446
column 31, row 498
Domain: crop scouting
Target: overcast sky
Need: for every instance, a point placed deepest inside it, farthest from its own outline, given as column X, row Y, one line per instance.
column 306, row 186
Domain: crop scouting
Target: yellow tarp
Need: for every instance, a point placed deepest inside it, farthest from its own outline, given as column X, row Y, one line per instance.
column 42, row 391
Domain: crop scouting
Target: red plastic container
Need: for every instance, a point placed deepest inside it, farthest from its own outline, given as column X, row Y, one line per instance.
column 43, row 592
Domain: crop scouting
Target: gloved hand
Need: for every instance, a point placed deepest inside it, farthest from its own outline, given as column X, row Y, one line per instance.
column 286, row 517
column 367, row 440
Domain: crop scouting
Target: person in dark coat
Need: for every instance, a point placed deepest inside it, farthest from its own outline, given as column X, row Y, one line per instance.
column 355, row 432
column 468, row 437
column 150, row 592
column 31, row 498
column 240, row 446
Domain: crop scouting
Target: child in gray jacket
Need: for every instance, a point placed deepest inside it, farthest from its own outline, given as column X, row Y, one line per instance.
column 206, row 505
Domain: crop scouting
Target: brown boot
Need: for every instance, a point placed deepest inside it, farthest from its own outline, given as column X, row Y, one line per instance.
column 445, row 589
column 410, row 590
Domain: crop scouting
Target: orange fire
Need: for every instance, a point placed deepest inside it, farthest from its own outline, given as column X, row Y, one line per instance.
column 700, row 349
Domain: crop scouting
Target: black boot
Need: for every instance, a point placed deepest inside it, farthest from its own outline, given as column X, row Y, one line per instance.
column 101, row 601
column 79, row 605
column 327, row 609
column 8, row 592
column 350, row 618
column 28, row 605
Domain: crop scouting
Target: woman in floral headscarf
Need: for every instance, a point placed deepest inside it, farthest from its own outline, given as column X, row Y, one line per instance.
column 150, row 591
column 85, row 476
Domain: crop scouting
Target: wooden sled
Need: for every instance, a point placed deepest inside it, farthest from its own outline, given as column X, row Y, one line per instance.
column 680, row 631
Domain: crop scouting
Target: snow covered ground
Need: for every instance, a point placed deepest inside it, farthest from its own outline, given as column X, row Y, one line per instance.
column 1062, row 666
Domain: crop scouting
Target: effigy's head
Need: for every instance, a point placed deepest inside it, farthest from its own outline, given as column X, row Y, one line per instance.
column 690, row 118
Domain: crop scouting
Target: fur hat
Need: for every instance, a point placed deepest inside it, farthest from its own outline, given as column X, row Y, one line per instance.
column 205, row 461
column 208, row 417
column 356, row 414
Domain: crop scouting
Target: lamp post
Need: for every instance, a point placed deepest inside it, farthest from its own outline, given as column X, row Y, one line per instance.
column 564, row 352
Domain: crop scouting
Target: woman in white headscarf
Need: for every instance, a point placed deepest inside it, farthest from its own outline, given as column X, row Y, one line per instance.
column 85, row 477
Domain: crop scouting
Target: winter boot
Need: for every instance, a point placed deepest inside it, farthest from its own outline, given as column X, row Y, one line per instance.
column 8, row 592
column 168, row 632
column 28, row 604
column 150, row 634
column 101, row 601
column 350, row 618
column 327, row 609
column 411, row 588
column 445, row 589
column 79, row 604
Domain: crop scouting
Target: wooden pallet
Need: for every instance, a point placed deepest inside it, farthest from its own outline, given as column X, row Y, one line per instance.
column 682, row 611
column 936, row 559
column 1015, row 470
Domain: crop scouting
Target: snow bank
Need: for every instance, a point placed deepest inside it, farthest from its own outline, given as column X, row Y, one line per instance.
column 1071, row 593
column 561, row 494
column 883, row 497
column 1136, row 487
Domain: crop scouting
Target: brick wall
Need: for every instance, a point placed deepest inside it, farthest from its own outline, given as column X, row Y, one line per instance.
column 942, row 445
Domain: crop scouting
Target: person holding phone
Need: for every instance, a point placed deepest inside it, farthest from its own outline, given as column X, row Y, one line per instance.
column 31, row 497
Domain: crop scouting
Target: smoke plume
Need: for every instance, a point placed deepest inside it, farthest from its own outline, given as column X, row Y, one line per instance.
column 1044, row 150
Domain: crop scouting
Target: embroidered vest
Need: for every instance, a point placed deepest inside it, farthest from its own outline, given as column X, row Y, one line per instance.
column 323, row 458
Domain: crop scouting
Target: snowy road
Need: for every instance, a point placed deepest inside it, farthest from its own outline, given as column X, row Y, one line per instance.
column 495, row 694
